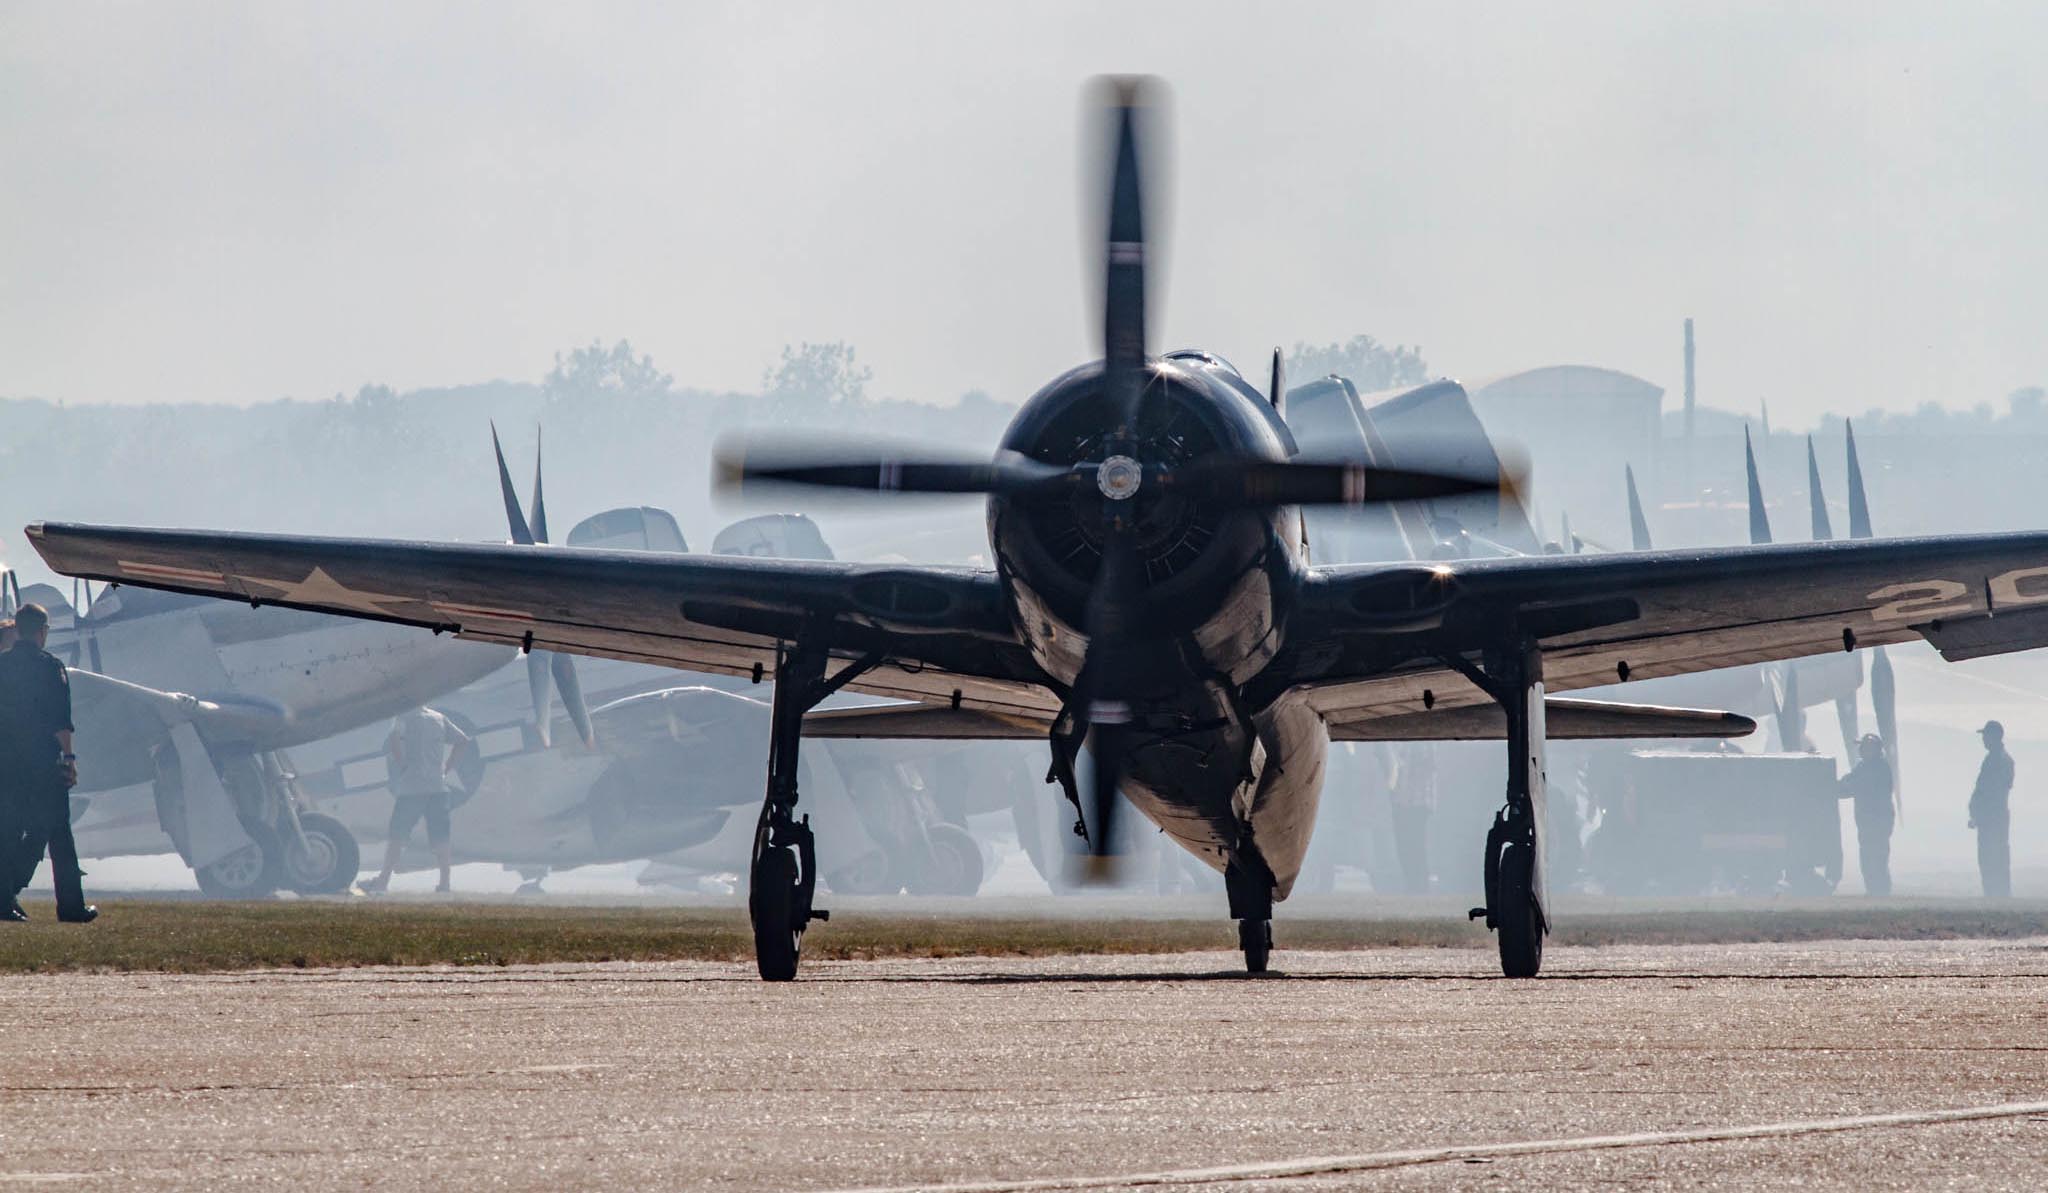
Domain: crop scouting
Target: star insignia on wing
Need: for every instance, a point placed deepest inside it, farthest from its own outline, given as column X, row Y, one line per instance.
column 321, row 590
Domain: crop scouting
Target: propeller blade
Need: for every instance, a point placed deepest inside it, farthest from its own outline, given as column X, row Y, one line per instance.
column 1884, row 704
column 540, row 685
column 1859, row 501
column 1115, row 606
column 1107, row 750
column 514, row 520
column 738, row 465
column 540, row 508
column 1638, row 526
column 1759, row 518
column 1845, row 717
column 1124, row 343
column 1236, row 481
column 1276, row 390
column 1822, row 530
column 1791, row 715
column 563, row 668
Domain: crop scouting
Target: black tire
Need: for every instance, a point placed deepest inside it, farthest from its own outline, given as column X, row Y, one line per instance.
column 956, row 867
column 330, row 860
column 771, row 904
column 1516, row 922
column 254, row 872
column 1255, row 937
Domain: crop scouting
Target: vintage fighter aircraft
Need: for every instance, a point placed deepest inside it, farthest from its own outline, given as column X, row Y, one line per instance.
column 1150, row 593
column 652, row 769
column 184, row 708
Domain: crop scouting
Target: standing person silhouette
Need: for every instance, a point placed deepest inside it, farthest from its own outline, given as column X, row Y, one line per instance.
column 1991, row 813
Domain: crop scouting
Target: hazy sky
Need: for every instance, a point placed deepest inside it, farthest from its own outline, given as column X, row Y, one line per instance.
column 238, row 203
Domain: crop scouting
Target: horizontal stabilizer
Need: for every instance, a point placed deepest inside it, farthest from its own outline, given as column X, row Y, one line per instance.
column 1564, row 719
column 925, row 722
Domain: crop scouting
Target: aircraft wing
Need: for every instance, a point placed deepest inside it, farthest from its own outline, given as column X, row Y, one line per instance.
column 944, row 633
column 117, row 724
column 1371, row 641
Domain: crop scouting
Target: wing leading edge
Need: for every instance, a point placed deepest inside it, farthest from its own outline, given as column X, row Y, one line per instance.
column 1373, row 641
column 941, row 634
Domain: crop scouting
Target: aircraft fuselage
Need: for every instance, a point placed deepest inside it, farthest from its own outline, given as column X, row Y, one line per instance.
column 1221, row 777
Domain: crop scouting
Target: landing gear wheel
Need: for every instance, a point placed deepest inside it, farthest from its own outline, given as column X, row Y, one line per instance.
column 956, row 863
column 1255, row 937
column 772, row 904
column 252, row 872
column 1517, row 923
column 328, row 861
column 869, row 874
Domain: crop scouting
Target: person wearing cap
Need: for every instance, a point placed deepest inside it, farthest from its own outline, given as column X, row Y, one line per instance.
column 37, row 768
column 1991, row 814
column 1869, row 784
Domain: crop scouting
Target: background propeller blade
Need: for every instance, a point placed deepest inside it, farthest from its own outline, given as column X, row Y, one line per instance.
column 1791, row 716
column 1759, row 518
column 563, row 668
column 1822, row 529
column 1884, row 704
column 1638, row 526
column 1884, row 690
column 540, row 507
column 515, row 521
column 1859, row 501
column 546, row 672
column 540, row 684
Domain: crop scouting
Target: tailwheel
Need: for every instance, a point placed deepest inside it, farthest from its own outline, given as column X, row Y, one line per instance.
column 1517, row 921
column 1255, row 937
column 774, row 905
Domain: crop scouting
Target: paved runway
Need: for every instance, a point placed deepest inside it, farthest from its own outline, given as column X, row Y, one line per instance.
column 1836, row 1065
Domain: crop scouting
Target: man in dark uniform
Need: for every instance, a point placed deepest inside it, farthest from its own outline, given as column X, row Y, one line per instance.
column 37, row 767
column 1870, row 786
column 13, row 826
column 1991, row 813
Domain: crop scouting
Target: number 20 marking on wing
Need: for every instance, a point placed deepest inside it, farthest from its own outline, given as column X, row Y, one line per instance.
column 1924, row 600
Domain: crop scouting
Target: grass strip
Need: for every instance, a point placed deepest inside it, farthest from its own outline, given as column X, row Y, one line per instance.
column 191, row 936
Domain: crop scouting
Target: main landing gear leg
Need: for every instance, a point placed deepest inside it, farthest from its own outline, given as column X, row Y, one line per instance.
column 783, row 882
column 1514, row 845
column 1250, row 886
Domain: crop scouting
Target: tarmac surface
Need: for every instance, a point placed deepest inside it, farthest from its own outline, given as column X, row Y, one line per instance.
column 1867, row 1065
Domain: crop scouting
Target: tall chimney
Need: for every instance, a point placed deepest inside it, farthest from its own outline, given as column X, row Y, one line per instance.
column 1688, row 379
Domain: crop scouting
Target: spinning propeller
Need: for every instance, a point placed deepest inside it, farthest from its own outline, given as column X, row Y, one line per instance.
column 546, row 671
column 1101, row 702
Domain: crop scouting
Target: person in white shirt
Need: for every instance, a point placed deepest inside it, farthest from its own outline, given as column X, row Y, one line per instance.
column 421, row 750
